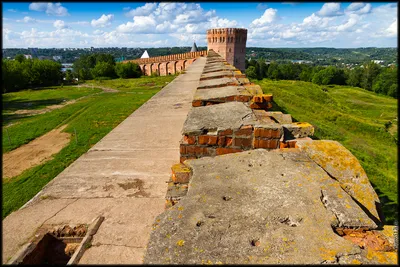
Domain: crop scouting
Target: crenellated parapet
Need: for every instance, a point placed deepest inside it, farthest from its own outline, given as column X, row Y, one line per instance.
column 183, row 56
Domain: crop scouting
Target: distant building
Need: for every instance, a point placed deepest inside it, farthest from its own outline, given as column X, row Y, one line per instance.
column 194, row 48
column 145, row 54
column 378, row 61
column 28, row 56
column 57, row 58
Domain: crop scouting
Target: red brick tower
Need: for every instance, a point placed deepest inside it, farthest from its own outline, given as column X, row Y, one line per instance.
column 230, row 43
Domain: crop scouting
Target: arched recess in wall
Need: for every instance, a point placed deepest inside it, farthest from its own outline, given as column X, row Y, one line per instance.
column 144, row 70
column 166, row 68
column 152, row 68
column 158, row 69
column 175, row 69
column 184, row 65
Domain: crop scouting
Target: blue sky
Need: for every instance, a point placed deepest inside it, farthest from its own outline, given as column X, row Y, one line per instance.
column 154, row 24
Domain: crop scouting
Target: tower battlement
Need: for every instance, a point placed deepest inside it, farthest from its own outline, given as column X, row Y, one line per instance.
column 230, row 43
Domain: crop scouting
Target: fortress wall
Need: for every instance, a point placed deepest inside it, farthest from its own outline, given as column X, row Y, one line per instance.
column 219, row 87
column 166, row 65
column 296, row 201
column 175, row 57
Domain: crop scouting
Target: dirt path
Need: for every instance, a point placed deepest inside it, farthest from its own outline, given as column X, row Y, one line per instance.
column 105, row 89
column 34, row 153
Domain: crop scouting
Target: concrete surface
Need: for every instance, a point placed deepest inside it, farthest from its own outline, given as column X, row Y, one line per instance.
column 206, row 94
column 253, row 207
column 223, row 116
column 123, row 178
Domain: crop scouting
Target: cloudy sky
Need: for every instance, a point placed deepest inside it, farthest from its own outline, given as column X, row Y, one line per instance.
column 124, row 24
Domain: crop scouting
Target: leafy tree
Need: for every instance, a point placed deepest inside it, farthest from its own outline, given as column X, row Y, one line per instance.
column 386, row 82
column 273, row 71
column 20, row 58
column 306, row 74
column 371, row 71
column 68, row 76
column 103, row 69
column 128, row 70
column 251, row 72
column 354, row 77
column 329, row 75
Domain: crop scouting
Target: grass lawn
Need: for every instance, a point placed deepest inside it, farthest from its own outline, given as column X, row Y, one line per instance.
column 362, row 121
column 92, row 117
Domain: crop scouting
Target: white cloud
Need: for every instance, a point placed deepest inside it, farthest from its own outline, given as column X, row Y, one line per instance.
column 355, row 6
column 103, row 21
column 351, row 22
column 268, row 17
column 80, row 23
column 391, row 31
column 59, row 24
column 50, row 8
column 330, row 10
column 27, row 19
column 145, row 10
column 140, row 24
column 359, row 8
column 12, row 10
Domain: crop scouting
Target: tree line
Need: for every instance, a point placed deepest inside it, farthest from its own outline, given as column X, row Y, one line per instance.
column 369, row 76
column 103, row 66
column 22, row 73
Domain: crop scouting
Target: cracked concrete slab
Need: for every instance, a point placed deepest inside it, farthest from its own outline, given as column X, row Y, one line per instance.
column 343, row 166
column 224, row 116
column 278, row 218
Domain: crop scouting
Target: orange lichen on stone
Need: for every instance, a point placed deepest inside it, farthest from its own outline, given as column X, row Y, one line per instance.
column 372, row 240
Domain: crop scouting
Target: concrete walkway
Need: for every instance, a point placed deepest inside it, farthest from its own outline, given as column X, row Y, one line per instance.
column 123, row 178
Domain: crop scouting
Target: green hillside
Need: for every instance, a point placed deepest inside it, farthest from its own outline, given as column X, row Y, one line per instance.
column 362, row 121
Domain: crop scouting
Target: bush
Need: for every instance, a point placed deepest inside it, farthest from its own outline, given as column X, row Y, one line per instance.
column 128, row 70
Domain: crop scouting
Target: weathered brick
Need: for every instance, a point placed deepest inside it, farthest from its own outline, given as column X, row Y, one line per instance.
column 189, row 139
column 197, row 103
column 226, row 132
column 190, row 150
column 225, row 150
column 212, row 140
column 244, row 130
column 182, row 149
column 198, row 150
column 228, row 141
column 243, row 142
column 203, row 139
column 221, row 140
column 180, row 173
column 230, row 98
column 269, row 143
column 267, row 98
column 267, row 133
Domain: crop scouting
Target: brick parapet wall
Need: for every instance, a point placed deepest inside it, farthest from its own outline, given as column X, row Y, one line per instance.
column 175, row 57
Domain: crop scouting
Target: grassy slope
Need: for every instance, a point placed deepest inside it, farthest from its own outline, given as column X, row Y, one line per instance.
column 354, row 117
column 92, row 117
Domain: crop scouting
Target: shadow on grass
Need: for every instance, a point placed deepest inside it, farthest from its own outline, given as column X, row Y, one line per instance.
column 389, row 208
column 13, row 105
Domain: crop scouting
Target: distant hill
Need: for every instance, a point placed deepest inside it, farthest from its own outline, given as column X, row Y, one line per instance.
column 318, row 56
column 325, row 56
